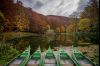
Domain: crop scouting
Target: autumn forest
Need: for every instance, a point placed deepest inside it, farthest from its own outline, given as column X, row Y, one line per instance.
column 18, row 23
column 16, row 17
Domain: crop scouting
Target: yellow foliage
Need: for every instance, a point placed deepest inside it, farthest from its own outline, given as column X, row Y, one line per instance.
column 2, row 22
column 84, row 24
column 22, row 22
column 70, row 28
column 62, row 29
column 58, row 29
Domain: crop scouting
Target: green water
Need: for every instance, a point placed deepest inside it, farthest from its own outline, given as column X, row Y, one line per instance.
column 44, row 41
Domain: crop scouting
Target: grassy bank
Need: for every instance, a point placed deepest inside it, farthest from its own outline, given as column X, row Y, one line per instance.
column 7, row 53
column 12, row 35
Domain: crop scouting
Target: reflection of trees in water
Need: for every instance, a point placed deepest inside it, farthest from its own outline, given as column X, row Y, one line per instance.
column 75, row 39
column 44, row 41
column 61, row 39
column 89, row 37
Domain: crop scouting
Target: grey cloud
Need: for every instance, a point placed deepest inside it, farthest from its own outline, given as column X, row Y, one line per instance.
column 83, row 4
column 38, row 5
column 56, row 7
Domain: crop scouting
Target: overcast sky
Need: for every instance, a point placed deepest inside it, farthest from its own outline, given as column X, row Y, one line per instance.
column 56, row 7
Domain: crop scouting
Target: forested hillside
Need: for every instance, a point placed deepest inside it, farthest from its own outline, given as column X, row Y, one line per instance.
column 20, row 18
